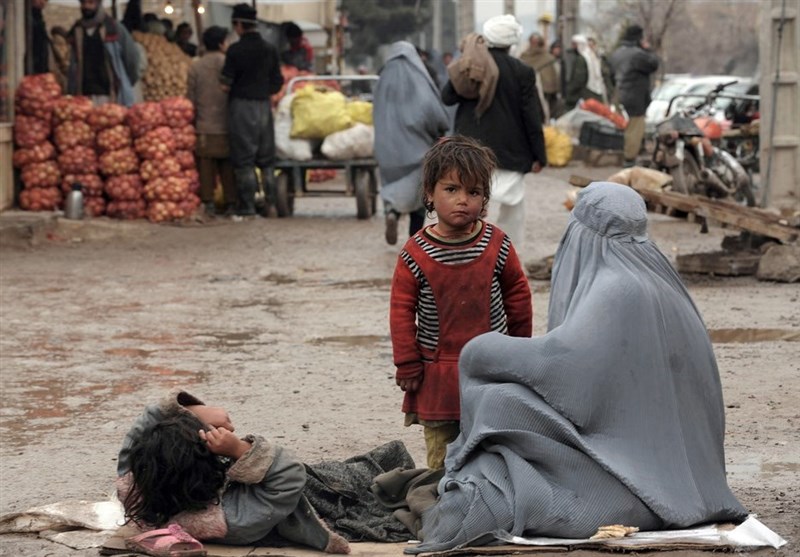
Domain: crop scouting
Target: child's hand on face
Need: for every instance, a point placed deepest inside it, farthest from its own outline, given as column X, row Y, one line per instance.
column 223, row 442
column 215, row 416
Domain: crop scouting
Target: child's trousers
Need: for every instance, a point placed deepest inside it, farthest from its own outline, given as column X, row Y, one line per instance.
column 436, row 440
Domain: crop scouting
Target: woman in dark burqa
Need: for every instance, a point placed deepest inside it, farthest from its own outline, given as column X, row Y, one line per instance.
column 409, row 116
column 615, row 416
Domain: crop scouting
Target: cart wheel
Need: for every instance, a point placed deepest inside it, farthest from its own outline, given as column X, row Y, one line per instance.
column 365, row 199
column 373, row 189
column 284, row 194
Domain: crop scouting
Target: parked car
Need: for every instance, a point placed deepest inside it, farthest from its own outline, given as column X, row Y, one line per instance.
column 694, row 85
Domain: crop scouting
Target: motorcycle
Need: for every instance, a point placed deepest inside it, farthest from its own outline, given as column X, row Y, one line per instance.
column 684, row 147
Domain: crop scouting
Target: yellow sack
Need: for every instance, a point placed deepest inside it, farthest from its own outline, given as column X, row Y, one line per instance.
column 360, row 111
column 558, row 145
column 317, row 113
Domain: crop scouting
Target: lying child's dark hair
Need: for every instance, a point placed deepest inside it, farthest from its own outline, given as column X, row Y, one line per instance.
column 473, row 161
column 173, row 471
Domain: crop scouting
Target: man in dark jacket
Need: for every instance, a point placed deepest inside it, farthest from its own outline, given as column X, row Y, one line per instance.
column 251, row 74
column 511, row 126
column 633, row 64
column 104, row 63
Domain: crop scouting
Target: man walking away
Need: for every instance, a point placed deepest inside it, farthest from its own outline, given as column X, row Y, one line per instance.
column 251, row 75
column 511, row 126
column 633, row 64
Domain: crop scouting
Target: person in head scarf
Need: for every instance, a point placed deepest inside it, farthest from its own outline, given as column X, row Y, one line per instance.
column 615, row 416
column 511, row 126
column 584, row 77
column 409, row 117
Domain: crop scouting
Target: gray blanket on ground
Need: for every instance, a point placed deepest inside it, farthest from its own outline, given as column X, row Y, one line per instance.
column 340, row 493
column 614, row 416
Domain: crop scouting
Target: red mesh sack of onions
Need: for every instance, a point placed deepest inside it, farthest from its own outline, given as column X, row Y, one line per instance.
column 78, row 160
column 29, row 130
column 144, row 117
column 107, row 116
column 185, row 159
column 155, row 144
column 94, row 206
column 127, row 187
column 71, row 108
column 36, row 94
column 178, row 111
column 190, row 204
column 171, row 188
column 127, row 209
column 40, row 152
column 194, row 179
column 92, row 184
column 168, row 166
column 185, row 138
column 161, row 211
column 118, row 162
column 73, row 133
column 41, row 175
column 113, row 138
column 40, row 199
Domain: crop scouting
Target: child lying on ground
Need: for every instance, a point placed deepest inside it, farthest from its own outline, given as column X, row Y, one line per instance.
column 182, row 463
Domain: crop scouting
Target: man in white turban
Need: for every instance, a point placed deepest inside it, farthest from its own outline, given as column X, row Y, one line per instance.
column 511, row 126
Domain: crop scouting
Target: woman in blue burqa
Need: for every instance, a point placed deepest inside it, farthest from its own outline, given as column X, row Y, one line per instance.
column 615, row 416
column 409, row 116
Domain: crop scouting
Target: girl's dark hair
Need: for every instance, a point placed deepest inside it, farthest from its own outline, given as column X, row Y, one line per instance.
column 213, row 37
column 173, row 471
column 473, row 161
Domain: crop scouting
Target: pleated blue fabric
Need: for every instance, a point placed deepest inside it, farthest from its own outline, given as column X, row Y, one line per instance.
column 615, row 416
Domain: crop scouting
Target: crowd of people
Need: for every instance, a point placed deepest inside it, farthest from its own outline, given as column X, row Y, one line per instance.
column 230, row 88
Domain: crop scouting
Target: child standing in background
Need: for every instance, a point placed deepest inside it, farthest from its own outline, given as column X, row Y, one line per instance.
column 454, row 280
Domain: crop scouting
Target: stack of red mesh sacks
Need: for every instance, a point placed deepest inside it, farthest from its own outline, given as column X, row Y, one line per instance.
column 166, row 188
column 180, row 115
column 77, row 159
column 35, row 155
column 118, row 162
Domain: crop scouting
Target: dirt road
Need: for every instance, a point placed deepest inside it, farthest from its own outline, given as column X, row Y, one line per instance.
column 284, row 321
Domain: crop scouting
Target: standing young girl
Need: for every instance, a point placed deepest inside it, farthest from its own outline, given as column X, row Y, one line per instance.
column 454, row 280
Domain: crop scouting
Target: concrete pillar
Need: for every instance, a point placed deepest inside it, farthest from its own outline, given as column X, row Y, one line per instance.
column 779, row 48
column 465, row 18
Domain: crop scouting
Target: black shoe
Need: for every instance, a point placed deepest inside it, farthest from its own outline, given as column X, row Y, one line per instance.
column 230, row 209
column 391, row 228
column 210, row 208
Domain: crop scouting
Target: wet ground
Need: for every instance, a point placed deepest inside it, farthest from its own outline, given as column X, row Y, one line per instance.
column 285, row 322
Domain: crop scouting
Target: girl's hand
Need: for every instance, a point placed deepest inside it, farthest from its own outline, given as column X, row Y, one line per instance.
column 223, row 442
column 409, row 385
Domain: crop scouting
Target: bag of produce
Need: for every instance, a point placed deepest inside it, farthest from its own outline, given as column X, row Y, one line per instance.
column 318, row 112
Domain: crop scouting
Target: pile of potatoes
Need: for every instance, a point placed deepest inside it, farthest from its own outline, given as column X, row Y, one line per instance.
column 167, row 67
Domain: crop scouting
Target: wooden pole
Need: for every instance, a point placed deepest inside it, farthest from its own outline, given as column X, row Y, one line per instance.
column 28, row 65
column 198, row 25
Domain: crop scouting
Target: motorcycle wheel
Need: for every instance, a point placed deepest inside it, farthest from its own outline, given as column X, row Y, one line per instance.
column 686, row 176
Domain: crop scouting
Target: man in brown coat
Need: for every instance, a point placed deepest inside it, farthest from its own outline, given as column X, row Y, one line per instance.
column 211, row 120
column 546, row 67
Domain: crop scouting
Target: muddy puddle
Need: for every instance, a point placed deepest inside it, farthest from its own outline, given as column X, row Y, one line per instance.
column 222, row 340
column 351, row 340
column 757, row 467
column 51, row 404
column 726, row 336
column 381, row 283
